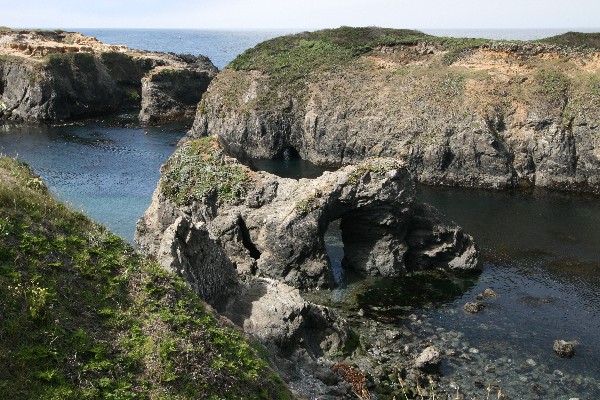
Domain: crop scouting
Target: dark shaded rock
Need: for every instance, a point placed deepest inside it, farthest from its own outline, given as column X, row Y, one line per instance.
column 473, row 307
column 170, row 94
column 564, row 348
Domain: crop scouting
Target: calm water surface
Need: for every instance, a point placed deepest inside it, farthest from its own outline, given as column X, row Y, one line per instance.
column 221, row 46
column 107, row 169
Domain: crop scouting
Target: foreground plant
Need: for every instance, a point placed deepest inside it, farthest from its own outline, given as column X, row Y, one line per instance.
column 83, row 316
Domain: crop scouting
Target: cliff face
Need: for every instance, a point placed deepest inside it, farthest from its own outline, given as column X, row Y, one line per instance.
column 460, row 112
column 53, row 76
column 171, row 94
column 208, row 207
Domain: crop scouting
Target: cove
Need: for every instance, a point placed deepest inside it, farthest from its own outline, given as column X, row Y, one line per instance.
column 540, row 252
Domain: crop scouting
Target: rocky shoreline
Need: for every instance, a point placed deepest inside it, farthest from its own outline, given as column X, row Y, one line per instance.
column 55, row 76
column 244, row 239
column 461, row 112
column 252, row 245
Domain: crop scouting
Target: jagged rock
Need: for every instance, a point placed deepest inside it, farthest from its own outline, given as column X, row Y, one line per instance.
column 564, row 348
column 172, row 94
column 511, row 117
column 429, row 359
column 473, row 307
column 276, row 228
column 54, row 76
column 278, row 315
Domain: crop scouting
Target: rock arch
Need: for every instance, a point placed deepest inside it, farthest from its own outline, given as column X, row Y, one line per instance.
column 277, row 230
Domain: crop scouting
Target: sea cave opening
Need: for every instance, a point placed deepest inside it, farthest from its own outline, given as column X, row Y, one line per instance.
column 334, row 246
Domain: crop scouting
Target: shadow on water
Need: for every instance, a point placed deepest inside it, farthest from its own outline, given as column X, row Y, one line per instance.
column 391, row 300
column 290, row 165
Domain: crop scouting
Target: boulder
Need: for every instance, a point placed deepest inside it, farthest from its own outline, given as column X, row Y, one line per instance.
column 473, row 307
column 277, row 315
column 564, row 349
column 429, row 359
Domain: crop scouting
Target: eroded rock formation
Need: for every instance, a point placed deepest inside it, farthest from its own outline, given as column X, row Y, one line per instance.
column 274, row 227
column 460, row 112
column 247, row 241
column 56, row 75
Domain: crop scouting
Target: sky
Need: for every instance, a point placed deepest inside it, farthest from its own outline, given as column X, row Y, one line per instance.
column 302, row 14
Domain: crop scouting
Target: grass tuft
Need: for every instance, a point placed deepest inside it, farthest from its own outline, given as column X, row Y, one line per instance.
column 199, row 170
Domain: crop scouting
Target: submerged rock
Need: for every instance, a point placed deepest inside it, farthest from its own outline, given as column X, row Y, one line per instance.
column 473, row 307
column 564, row 348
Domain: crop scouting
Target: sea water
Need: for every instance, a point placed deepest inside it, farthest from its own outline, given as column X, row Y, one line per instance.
column 540, row 249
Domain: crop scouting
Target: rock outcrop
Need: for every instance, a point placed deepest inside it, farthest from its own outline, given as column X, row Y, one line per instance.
column 274, row 227
column 56, row 75
column 172, row 94
column 462, row 112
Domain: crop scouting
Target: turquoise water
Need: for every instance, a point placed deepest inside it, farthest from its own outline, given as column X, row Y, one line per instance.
column 107, row 168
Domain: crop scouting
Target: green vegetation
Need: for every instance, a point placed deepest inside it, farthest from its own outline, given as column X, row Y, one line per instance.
column 374, row 165
column 290, row 55
column 83, row 316
column 309, row 203
column 199, row 170
column 457, row 47
column 84, row 61
column 553, row 84
column 575, row 39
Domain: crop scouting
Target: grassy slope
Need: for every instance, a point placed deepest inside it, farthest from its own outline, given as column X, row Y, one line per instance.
column 289, row 55
column 334, row 61
column 82, row 316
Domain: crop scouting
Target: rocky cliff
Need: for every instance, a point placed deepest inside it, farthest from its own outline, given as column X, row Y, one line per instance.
column 208, row 206
column 246, row 241
column 56, row 75
column 466, row 112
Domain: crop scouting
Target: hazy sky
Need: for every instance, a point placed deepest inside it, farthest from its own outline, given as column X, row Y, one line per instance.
column 304, row 14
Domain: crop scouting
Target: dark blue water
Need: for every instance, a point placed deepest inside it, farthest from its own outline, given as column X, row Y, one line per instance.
column 541, row 249
column 221, row 46
column 541, row 254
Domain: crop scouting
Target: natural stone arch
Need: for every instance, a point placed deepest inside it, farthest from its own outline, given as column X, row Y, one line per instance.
column 277, row 229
